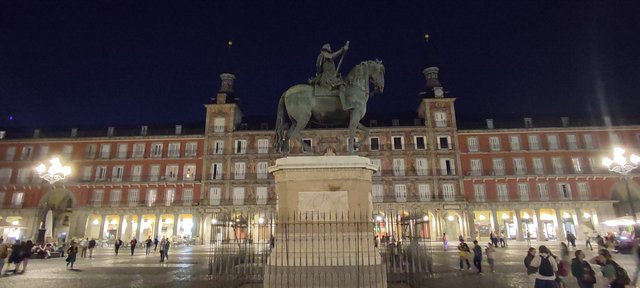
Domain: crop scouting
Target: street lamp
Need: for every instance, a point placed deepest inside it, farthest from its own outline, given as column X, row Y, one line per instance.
column 621, row 165
column 53, row 173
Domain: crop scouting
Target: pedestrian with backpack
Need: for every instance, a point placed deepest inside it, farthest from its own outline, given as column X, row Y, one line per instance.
column 547, row 268
column 615, row 276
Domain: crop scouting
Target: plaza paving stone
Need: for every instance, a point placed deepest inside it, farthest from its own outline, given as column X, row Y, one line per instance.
column 188, row 267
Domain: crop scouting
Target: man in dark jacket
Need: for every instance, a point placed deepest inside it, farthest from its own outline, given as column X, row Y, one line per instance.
column 92, row 244
column 582, row 271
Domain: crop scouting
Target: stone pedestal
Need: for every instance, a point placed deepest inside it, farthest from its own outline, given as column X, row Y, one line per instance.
column 324, row 233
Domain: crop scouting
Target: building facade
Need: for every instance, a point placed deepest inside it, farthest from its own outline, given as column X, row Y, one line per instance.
column 435, row 177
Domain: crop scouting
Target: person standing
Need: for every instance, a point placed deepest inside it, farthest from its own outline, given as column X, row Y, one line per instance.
column 92, row 244
column 84, row 244
column 463, row 253
column 117, row 245
column 477, row 256
column 72, row 252
column 490, row 251
column 148, row 244
column 27, row 252
column 582, row 270
column 501, row 238
column 162, row 243
column 155, row 242
column 133, row 245
column 547, row 268
column 445, row 241
column 571, row 239
column 167, row 244
column 615, row 276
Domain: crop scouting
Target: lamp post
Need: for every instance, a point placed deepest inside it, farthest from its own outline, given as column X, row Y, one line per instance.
column 621, row 165
column 52, row 174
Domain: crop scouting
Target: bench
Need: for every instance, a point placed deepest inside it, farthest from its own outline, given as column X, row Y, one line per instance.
column 41, row 256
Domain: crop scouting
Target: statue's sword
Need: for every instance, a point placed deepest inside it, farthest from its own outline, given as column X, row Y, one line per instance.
column 340, row 62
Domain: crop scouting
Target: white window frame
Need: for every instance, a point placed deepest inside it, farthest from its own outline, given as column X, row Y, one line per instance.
column 117, row 173
column 262, row 168
column 115, row 197
column 90, row 151
column 564, row 191
column 440, row 119
column 156, row 150
column 476, row 167
column 424, row 192
column 154, row 173
column 479, row 193
column 171, row 172
column 218, row 147
column 187, row 196
column 578, row 168
column 97, row 197
column 374, row 147
column 136, row 173
column 514, row 142
column 262, row 195
column 543, row 191
column 151, row 197
column 584, row 191
column 424, row 142
column 24, row 174
column 442, row 147
column 473, row 144
column 263, row 146
column 240, row 170
column 377, row 190
column 502, row 192
column 538, row 165
column 101, row 173
column 448, row 192
column 558, row 165
column 87, row 172
column 43, row 151
column 588, row 141
column 422, row 166
column 393, row 143
column 377, row 162
column 105, row 151
column 398, row 167
column 216, row 171
column 215, row 195
column 494, row 143
column 572, row 141
column 240, row 146
column 552, row 140
column 169, row 196
column 17, row 199
column 174, row 150
column 499, row 166
column 443, row 167
column 308, row 141
column 191, row 149
column 534, row 142
column 189, row 172
column 523, row 191
column 122, row 150
column 138, row 150
column 400, row 191
column 219, row 124
column 519, row 166
column 133, row 197
column 27, row 153
column 238, row 195
column 11, row 154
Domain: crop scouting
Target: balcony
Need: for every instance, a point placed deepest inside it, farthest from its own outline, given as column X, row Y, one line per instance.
column 96, row 203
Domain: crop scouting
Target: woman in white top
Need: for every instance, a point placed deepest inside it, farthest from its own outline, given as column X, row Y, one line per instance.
column 547, row 268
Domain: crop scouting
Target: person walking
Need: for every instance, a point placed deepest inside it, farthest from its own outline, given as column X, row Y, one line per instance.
column 571, row 239
column 84, row 244
column 71, row 254
column 477, row 256
column 615, row 276
column 15, row 257
column 117, row 245
column 445, row 241
column 155, row 243
column 148, row 244
column 490, row 251
column 133, row 245
column 92, row 245
column 582, row 270
column 167, row 244
column 162, row 243
column 26, row 255
column 463, row 253
column 501, row 238
column 547, row 268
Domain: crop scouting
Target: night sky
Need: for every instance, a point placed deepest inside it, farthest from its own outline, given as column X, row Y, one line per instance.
column 101, row 63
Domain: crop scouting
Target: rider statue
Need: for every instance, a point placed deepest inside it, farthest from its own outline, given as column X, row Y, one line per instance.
column 327, row 76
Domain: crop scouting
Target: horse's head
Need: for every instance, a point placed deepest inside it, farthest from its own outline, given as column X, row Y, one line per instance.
column 376, row 75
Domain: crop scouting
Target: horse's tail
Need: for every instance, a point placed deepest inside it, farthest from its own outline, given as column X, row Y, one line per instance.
column 279, row 137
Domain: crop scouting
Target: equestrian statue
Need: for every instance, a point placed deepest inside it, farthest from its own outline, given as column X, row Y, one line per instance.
column 328, row 99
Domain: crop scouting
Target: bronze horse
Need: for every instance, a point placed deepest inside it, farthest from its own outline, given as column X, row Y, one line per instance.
column 302, row 106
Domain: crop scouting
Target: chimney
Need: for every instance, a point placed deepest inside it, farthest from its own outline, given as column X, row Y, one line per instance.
column 2, row 133
column 110, row 131
column 607, row 121
column 528, row 122
column 36, row 133
column 178, row 129
column 74, row 132
column 143, row 130
column 565, row 121
column 489, row 123
column 226, row 87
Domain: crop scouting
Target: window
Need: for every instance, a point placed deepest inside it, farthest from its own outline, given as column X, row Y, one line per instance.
column 543, row 191
column 5, row 175
column 595, row 164
column 174, row 150
column 378, row 163
column 152, row 197
column 514, row 142
column 154, row 173
column 498, row 166
column 156, row 150
column 105, row 151
column 115, row 197
column 90, row 151
column 553, row 142
column 503, row 192
column 27, row 153
column 473, row 144
column 307, row 145
column 218, row 124
column 263, row 146
column 261, row 195
column 86, row 173
column 519, row 166
column 134, row 197
column 444, row 142
column 136, row 173
column 588, row 141
column 572, row 141
column 138, row 150
column 538, row 166
column 422, row 167
column 374, row 143
column 523, row 191
column 189, row 173
column 191, row 150
column 476, row 167
column 447, row 167
column 262, row 170
column 215, row 194
column 116, row 173
column 378, row 192
column 17, row 199
column 169, row 196
column 97, row 197
column 122, row 151
column 240, row 147
column 420, row 142
column 494, row 143
column 440, row 118
column 577, row 165
column 44, row 152
column 218, row 147
column 171, row 172
column 558, row 165
column 216, row 171
column 187, row 196
column 401, row 192
column 239, row 171
column 479, row 193
column 424, row 192
column 448, row 192
column 534, row 142
column 238, row 195
column 583, row 191
column 101, row 173
column 397, row 143
column 23, row 175
column 398, row 167
column 11, row 154
column 564, row 191
column 615, row 138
